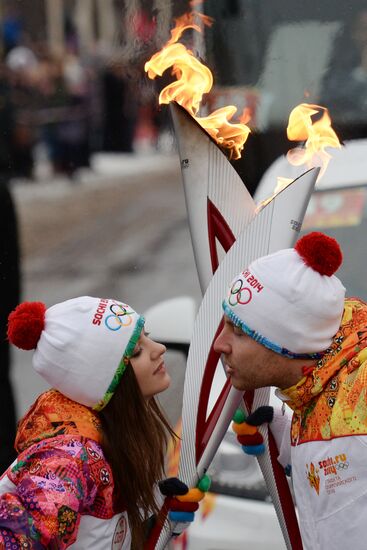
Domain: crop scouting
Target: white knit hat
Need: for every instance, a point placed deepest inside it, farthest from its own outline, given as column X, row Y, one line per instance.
column 81, row 345
column 291, row 301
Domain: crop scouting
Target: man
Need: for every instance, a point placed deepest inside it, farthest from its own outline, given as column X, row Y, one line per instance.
column 287, row 324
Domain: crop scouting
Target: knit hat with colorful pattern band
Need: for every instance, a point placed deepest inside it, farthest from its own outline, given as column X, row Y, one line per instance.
column 291, row 301
column 82, row 346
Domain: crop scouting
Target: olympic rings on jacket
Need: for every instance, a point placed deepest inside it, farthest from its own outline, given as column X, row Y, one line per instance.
column 239, row 294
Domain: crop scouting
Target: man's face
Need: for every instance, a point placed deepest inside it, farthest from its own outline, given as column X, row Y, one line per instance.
column 249, row 364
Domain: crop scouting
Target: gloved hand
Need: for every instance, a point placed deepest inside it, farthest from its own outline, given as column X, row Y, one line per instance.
column 184, row 501
column 248, row 435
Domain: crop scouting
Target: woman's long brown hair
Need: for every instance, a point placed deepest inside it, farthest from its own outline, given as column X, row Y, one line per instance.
column 135, row 436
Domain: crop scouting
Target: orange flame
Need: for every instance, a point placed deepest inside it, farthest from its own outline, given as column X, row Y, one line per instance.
column 282, row 183
column 193, row 81
column 318, row 135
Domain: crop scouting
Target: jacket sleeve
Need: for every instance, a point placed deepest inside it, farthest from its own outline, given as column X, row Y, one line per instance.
column 53, row 487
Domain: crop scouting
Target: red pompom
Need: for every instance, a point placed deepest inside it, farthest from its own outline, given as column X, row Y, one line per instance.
column 320, row 252
column 25, row 324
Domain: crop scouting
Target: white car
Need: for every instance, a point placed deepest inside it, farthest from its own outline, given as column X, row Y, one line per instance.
column 338, row 207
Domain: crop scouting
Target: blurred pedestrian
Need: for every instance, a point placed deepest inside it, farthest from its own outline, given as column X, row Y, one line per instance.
column 22, row 65
column 9, row 269
column 11, row 27
column 120, row 106
column 9, row 297
column 63, row 112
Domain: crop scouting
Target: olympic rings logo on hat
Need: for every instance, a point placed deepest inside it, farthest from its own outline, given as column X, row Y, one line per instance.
column 239, row 294
column 120, row 317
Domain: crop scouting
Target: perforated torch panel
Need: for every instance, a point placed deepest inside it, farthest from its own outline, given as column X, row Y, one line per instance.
column 252, row 243
column 228, row 192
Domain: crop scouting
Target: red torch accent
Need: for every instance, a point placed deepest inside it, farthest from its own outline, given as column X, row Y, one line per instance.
column 204, row 427
column 218, row 228
column 285, row 496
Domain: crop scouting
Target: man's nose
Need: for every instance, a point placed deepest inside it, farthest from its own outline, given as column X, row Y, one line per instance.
column 221, row 344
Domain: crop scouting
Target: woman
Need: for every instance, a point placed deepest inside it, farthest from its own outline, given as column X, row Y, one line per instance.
column 91, row 449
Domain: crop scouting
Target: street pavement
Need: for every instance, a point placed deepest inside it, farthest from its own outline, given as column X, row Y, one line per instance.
column 119, row 230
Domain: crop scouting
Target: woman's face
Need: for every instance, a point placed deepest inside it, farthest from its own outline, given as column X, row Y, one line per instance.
column 148, row 365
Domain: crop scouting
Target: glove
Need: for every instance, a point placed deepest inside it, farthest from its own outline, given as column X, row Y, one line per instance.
column 245, row 428
column 184, row 501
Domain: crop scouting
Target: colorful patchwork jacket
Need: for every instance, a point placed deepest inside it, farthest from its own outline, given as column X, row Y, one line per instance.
column 329, row 440
column 58, row 493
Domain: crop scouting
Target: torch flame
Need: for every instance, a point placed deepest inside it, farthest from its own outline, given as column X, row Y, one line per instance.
column 193, row 81
column 318, row 135
column 281, row 184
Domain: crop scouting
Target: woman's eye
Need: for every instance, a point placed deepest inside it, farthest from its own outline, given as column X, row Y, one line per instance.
column 238, row 331
column 136, row 352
